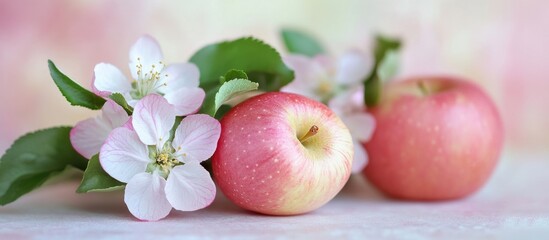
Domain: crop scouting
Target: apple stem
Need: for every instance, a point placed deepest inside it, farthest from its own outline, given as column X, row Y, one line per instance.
column 423, row 87
column 312, row 131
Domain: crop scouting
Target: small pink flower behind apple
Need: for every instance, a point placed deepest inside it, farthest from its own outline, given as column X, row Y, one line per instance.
column 436, row 138
column 349, row 106
column 339, row 85
column 321, row 77
column 282, row 154
column 162, row 171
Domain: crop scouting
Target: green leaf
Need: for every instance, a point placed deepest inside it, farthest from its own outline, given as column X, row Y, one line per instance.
column 96, row 179
column 120, row 100
column 34, row 158
column 226, row 92
column 384, row 48
column 234, row 74
column 23, row 185
column 389, row 66
column 208, row 106
column 232, row 88
column 301, row 43
column 261, row 62
column 178, row 120
column 384, row 45
column 74, row 93
column 224, row 109
column 372, row 91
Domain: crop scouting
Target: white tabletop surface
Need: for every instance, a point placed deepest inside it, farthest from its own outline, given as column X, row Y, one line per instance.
column 513, row 205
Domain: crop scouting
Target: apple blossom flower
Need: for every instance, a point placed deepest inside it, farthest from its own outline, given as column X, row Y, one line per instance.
column 162, row 171
column 178, row 83
column 321, row 78
column 88, row 136
column 349, row 106
column 339, row 85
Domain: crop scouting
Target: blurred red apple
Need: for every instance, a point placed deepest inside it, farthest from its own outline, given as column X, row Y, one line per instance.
column 436, row 138
column 282, row 154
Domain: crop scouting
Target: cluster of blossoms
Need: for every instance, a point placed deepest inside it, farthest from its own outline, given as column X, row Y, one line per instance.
column 337, row 84
column 159, row 162
column 161, row 166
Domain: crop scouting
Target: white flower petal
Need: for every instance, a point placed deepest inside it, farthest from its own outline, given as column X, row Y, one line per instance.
column 190, row 187
column 128, row 124
column 353, row 67
column 311, row 74
column 88, row 136
column 307, row 70
column 153, row 118
column 340, row 103
column 301, row 64
column 360, row 159
column 145, row 197
column 196, row 137
column 123, row 155
column 348, row 101
column 147, row 53
column 114, row 114
column 357, row 97
column 360, row 124
column 186, row 100
column 298, row 87
column 96, row 91
column 324, row 63
column 109, row 79
column 177, row 76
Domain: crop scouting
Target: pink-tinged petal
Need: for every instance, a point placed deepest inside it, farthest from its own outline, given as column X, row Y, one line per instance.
column 114, row 114
column 357, row 97
column 308, row 72
column 353, row 67
column 360, row 159
column 190, row 187
column 104, row 94
column 145, row 197
column 301, row 89
column 129, row 124
column 177, row 76
column 325, row 62
column 123, row 155
column 341, row 104
column 360, row 124
column 186, row 100
column 109, row 79
column 196, row 137
column 153, row 118
column 299, row 63
column 302, row 83
column 88, row 136
column 145, row 52
column 348, row 102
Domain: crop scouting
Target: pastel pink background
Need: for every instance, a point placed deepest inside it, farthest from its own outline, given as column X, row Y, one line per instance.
column 500, row 44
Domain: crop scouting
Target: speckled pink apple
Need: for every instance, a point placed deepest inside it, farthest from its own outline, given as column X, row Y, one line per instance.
column 282, row 154
column 436, row 138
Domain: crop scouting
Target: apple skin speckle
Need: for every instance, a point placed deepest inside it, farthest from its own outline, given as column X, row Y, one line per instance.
column 436, row 147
